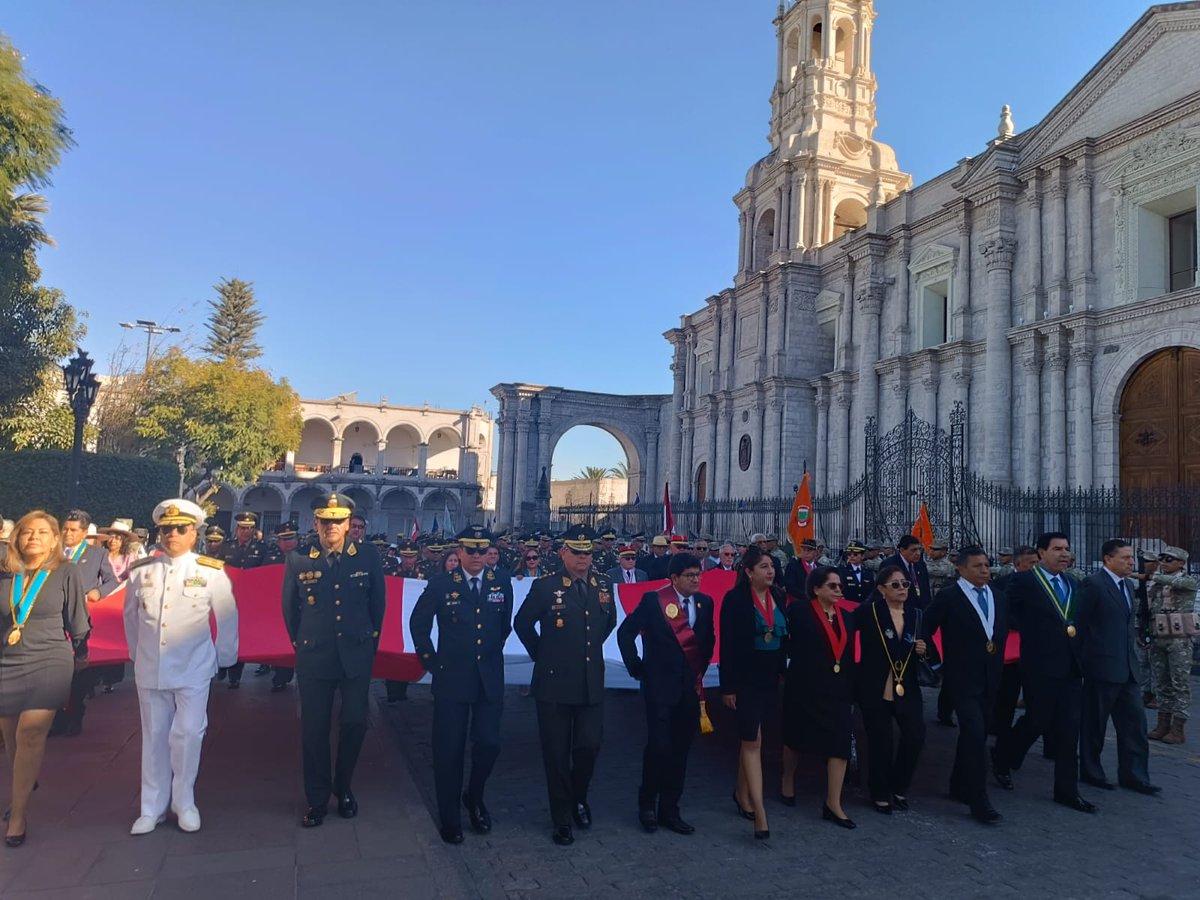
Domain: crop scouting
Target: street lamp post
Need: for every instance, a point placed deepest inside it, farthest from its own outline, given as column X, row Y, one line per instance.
column 81, row 386
column 151, row 329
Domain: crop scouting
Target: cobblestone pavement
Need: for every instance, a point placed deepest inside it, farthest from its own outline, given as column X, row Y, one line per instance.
column 1135, row 847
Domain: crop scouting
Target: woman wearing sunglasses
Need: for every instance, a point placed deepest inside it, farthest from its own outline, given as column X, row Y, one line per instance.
column 531, row 565
column 888, row 688
column 818, row 691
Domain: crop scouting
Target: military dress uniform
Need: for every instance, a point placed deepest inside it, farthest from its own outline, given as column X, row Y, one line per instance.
column 242, row 555
column 1171, row 598
column 333, row 607
column 474, row 619
column 281, row 676
column 563, row 624
column 858, row 582
column 168, row 603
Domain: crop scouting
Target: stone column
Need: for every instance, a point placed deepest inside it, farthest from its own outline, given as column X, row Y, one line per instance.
column 904, row 295
column 839, row 444
column 930, row 382
column 650, row 465
column 337, row 452
column 714, row 415
column 961, row 302
column 1030, row 300
column 1083, row 277
column 898, row 409
column 679, row 385
column 521, row 469
column 780, row 220
column 776, row 334
column 423, row 459
column 289, row 465
column 504, row 507
column 822, row 472
column 999, row 252
column 845, row 335
column 1081, row 384
column 1031, row 442
column 1059, row 288
column 1055, row 450
column 725, row 448
column 870, row 305
column 758, row 437
column 799, row 189
column 723, row 368
column 768, row 455
column 688, row 464
column 381, row 450
column 742, row 232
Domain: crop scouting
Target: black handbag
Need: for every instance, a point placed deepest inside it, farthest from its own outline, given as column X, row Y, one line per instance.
column 927, row 675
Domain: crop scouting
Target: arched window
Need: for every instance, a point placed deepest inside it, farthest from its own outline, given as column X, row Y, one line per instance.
column 792, row 55
column 848, row 215
column 701, row 486
column 764, row 238
column 842, row 54
column 816, row 45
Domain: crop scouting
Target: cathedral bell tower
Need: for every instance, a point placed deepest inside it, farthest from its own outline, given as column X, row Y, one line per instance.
column 822, row 127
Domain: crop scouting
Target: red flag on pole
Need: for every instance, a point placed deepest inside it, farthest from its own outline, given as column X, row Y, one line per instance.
column 668, row 516
column 416, row 529
column 923, row 528
column 800, row 524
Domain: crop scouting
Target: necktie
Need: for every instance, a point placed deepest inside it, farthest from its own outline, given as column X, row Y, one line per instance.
column 983, row 601
column 333, row 559
column 686, row 602
column 629, row 576
column 1125, row 594
column 475, row 588
column 1060, row 588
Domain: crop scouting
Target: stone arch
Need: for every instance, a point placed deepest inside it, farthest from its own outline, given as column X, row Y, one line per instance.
column 360, row 445
column 849, row 214
column 364, row 502
column 267, row 500
column 843, row 45
column 435, row 505
column 444, row 443
column 792, row 55
column 316, row 445
column 764, row 238
column 402, row 455
column 300, row 503
column 226, row 501
column 1111, row 384
column 816, row 38
column 397, row 507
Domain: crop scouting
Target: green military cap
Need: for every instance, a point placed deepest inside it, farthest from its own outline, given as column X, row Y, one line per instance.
column 578, row 538
column 855, row 547
column 246, row 519
column 333, row 506
column 286, row 529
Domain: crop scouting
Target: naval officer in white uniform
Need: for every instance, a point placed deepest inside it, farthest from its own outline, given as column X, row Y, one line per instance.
column 168, row 604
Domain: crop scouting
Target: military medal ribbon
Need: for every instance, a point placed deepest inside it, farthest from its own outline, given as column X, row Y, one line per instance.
column 768, row 613
column 837, row 644
column 22, row 607
column 1064, row 610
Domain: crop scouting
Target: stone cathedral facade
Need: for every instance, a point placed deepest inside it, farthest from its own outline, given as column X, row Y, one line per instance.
column 1048, row 284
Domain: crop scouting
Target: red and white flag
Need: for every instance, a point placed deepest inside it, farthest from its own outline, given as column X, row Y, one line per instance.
column 416, row 529
column 668, row 516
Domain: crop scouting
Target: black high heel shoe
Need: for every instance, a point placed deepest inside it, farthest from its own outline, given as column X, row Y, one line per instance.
column 828, row 815
column 8, row 811
column 14, row 840
column 742, row 812
column 762, row 835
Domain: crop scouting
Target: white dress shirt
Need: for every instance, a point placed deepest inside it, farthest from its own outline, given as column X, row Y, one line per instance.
column 690, row 606
column 989, row 620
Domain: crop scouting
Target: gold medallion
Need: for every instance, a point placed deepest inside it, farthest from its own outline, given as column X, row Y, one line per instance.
column 558, row 624
column 991, row 647
column 672, row 611
column 768, row 636
column 1071, row 631
column 14, row 636
column 899, row 689
column 837, row 667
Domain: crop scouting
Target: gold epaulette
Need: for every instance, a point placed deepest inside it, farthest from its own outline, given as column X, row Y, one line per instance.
column 211, row 562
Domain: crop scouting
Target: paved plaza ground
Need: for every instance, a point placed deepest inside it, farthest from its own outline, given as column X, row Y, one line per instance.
column 250, row 845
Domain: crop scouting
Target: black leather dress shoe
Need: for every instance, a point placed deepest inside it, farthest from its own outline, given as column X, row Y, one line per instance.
column 1003, row 776
column 347, row 805
column 1098, row 782
column 899, row 803
column 985, row 813
column 582, row 814
column 1142, row 787
column 677, row 825
column 234, row 685
column 1076, row 803
column 830, row 816
column 453, row 834
column 649, row 820
column 562, row 836
column 481, row 819
column 313, row 817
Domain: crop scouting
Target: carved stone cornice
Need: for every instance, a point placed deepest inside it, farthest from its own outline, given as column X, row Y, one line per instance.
column 999, row 253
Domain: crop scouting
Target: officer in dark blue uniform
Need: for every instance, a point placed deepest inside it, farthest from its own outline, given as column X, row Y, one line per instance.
column 473, row 609
column 333, row 605
column 573, row 611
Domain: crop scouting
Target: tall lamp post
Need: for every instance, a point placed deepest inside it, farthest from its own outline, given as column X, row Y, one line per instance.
column 82, row 387
column 151, row 329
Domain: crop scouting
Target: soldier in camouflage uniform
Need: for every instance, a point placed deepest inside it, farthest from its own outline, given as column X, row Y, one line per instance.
column 1172, row 599
column 433, row 561
column 942, row 572
column 408, row 564
column 1004, row 563
column 871, row 559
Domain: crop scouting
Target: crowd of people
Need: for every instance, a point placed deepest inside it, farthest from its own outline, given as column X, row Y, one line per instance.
column 816, row 646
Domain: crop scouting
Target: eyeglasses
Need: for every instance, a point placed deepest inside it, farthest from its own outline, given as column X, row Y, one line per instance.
column 580, row 552
column 474, row 551
column 836, row 588
column 691, row 574
column 173, row 529
column 898, row 585
column 1163, row 557
column 532, row 558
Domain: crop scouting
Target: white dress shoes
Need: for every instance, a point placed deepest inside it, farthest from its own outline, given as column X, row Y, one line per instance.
column 189, row 819
column 146, row 824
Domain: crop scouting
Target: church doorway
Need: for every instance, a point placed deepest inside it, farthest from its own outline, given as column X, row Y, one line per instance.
column 700, row 491
column 1160, row 422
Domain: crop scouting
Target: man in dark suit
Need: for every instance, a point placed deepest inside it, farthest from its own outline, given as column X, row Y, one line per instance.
column 473, row 608
column 908, row 557
column 1105, row 623
column 1043, row 601
column 676, row 625
column 659, row 560
column 334, row 599
column 858, row 582
column 795, row 576
column 563, row 624
column 626, row 570
column 974, row 623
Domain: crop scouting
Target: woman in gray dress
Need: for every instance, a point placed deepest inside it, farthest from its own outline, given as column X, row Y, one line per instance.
column 44, row 626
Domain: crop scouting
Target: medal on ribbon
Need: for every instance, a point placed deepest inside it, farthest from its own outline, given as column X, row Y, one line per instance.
column 898, row 669
column 768, row 613
column 837, row 644
column 1064, row 611
column 21, row 600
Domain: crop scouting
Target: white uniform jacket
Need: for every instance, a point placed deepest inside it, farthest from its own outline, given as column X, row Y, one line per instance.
column 168, row 605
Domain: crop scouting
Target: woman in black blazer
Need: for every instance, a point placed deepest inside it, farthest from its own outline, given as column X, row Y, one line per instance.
column 753, row 637
column 887, row 687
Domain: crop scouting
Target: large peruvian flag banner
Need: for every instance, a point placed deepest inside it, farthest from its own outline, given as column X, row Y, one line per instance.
column 262, row 637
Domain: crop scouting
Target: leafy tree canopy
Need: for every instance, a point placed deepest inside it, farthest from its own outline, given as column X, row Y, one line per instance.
column 43, row 419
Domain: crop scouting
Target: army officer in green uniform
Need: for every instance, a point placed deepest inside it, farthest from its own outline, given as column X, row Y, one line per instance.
column 333, row 604
column 563, row 624
column 473, row 609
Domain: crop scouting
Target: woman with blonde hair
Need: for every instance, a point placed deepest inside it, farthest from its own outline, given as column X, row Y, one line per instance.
column 44, row 626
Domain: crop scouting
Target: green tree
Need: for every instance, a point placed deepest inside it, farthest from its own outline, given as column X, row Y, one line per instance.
column 233, row 421
column 620, row 470
column 37, row 326
column 233, row 323
column 591, row 473
column 42, row 420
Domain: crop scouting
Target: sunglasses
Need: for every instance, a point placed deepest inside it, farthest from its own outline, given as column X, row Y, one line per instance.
column 1162, row 557
column 836, row 588
column 532, row 558
column 897, row 585
column 580, row 552
column 474, row 551
column 173, row 529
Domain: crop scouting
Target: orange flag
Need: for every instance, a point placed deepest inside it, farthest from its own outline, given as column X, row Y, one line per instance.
column 923, row 528
column 800, row 525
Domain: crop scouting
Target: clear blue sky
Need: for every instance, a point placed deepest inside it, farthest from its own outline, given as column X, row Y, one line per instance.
column 448, row 194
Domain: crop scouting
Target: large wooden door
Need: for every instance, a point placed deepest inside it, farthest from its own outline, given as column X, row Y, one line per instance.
column 1160, row 422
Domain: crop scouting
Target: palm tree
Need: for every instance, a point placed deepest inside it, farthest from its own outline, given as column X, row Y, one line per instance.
column 620, row 470
column 591, row 473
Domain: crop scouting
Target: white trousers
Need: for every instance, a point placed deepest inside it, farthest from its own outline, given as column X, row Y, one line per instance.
column 173, row 726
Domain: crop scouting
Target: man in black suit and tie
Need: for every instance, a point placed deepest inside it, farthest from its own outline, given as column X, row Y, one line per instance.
column 974, row 623
column 795, row 576
column 858, row 582
column 908, row 557
column 1043, row 601
column 1105, row 623
column 626, row 571
column 676, row 625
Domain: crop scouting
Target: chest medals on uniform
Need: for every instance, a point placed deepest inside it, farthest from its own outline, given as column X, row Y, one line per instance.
column 20, row 602
column 559, row 606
